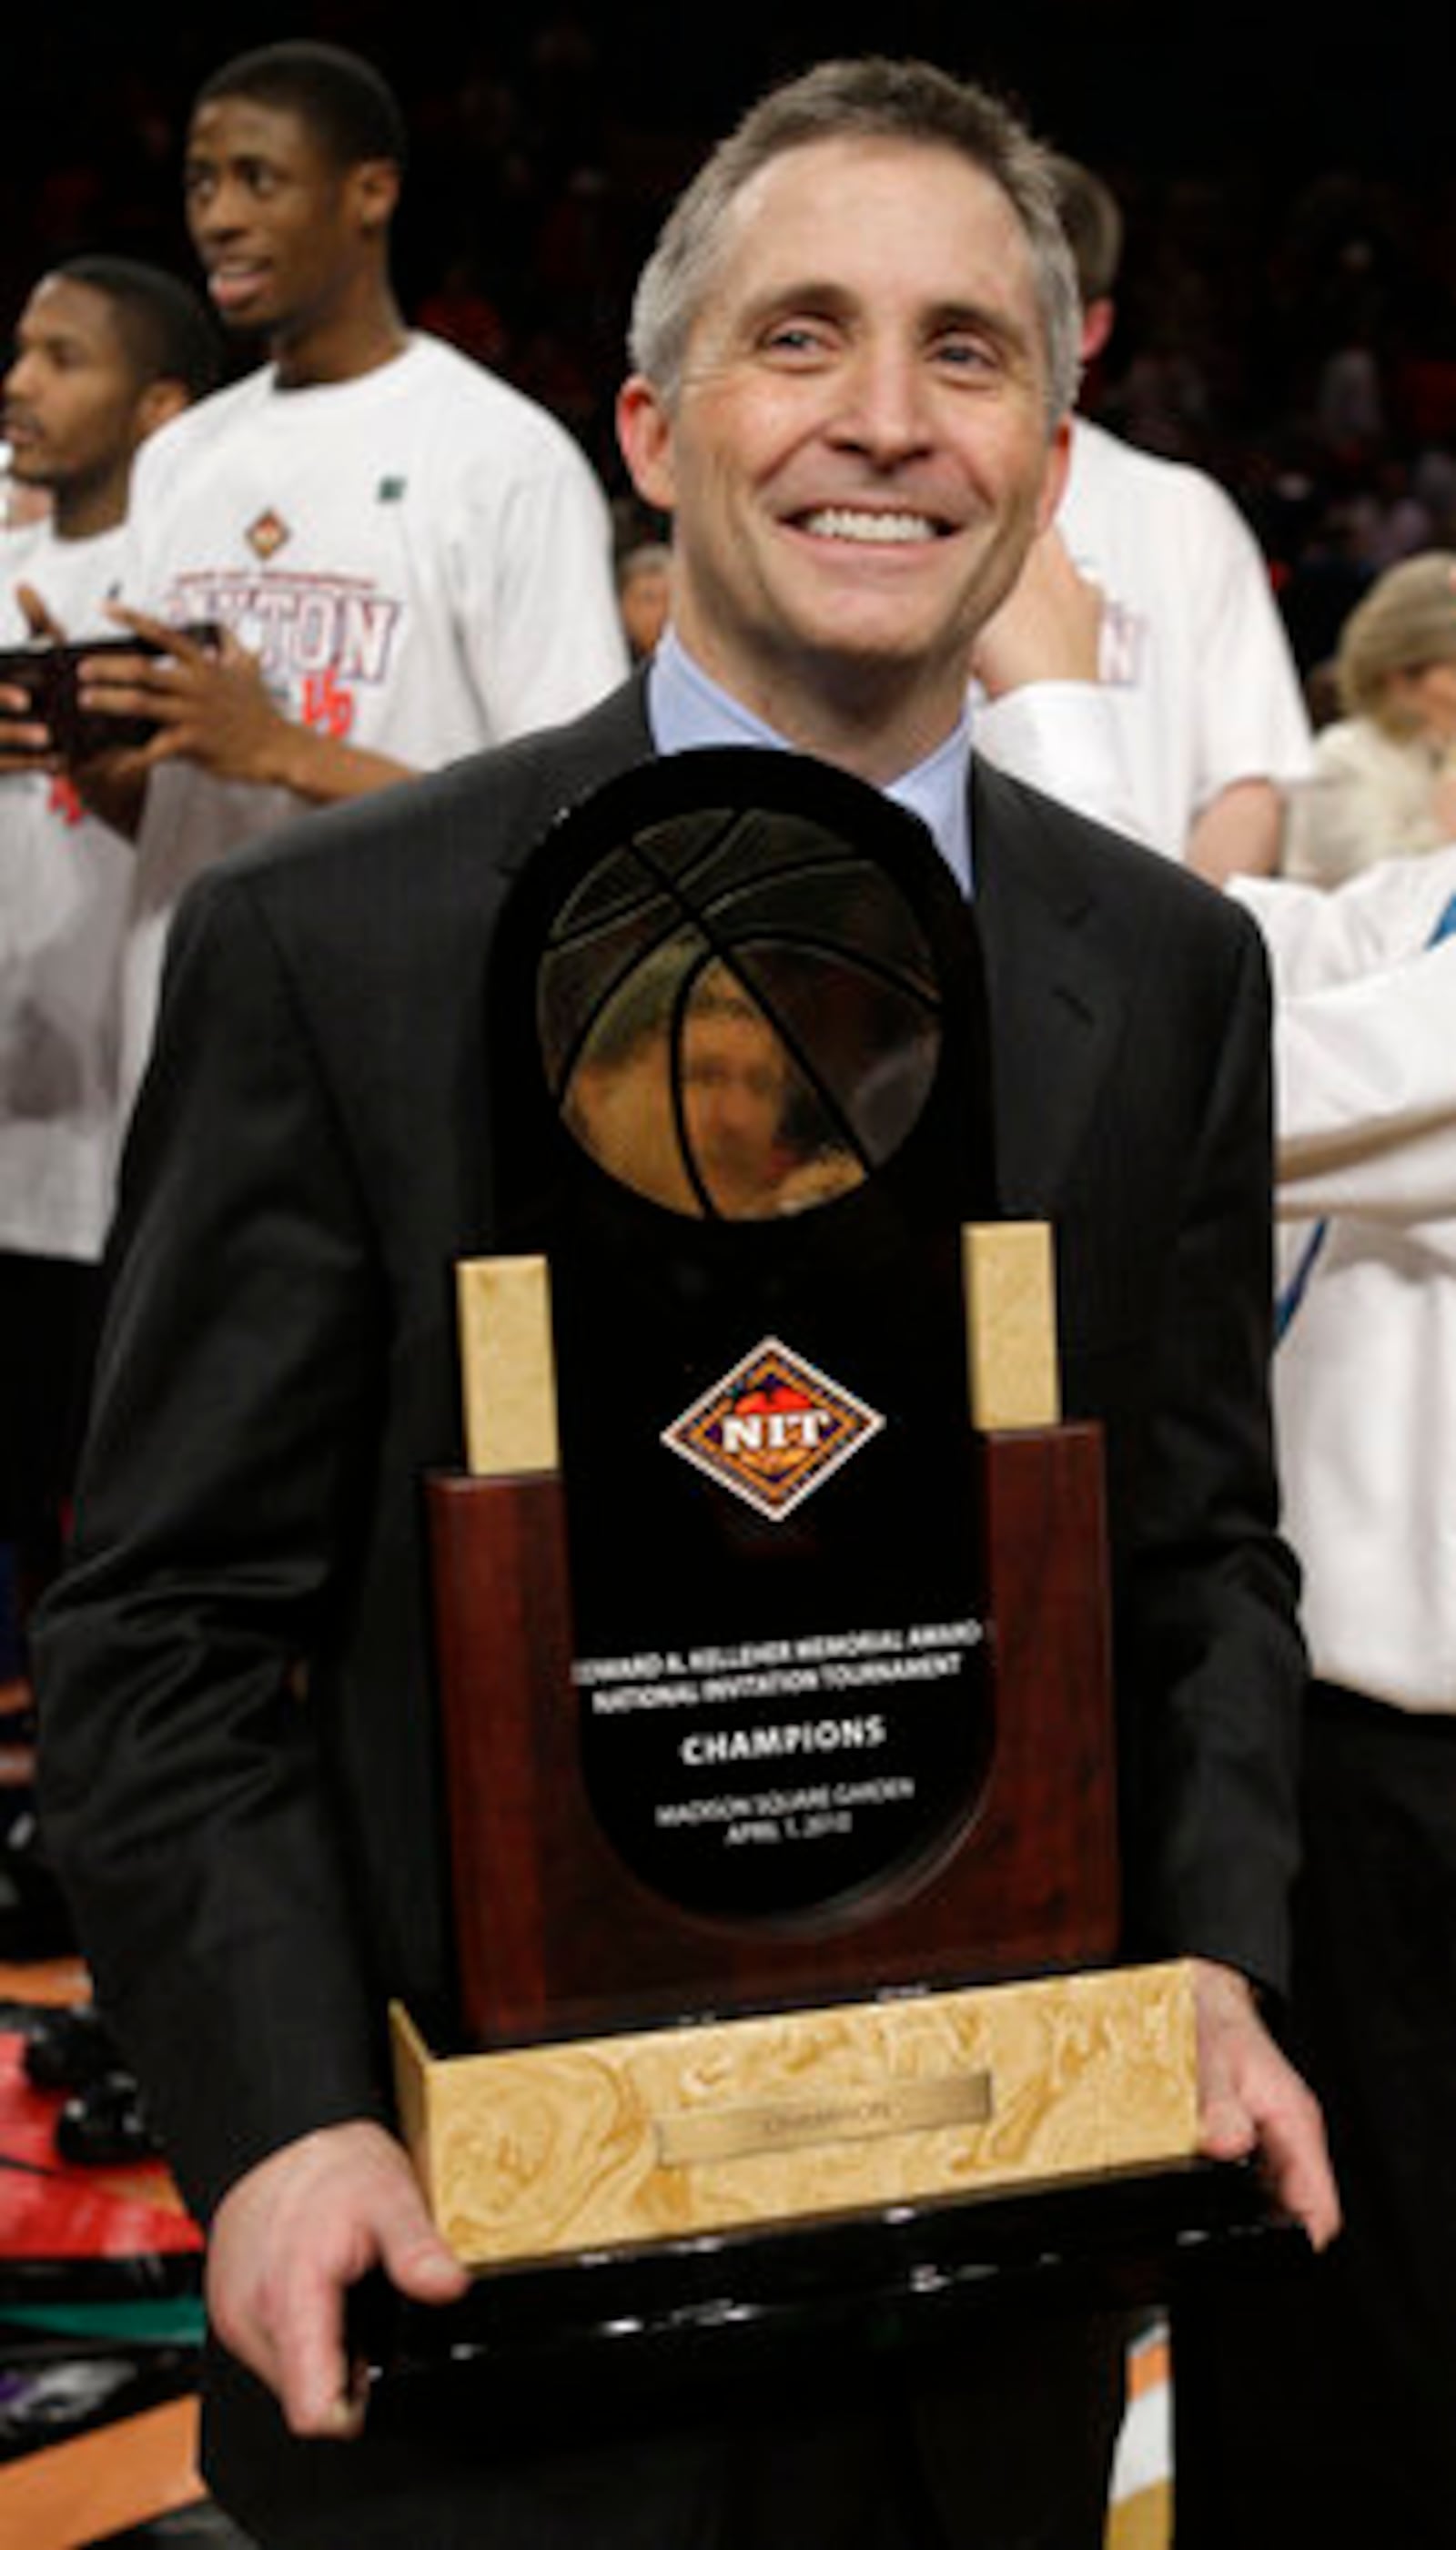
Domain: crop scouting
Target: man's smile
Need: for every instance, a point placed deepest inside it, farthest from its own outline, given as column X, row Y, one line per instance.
column 231, row 279
column 870, row 527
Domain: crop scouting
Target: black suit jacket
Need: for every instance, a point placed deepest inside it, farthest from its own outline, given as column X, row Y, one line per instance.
column 239, row 1781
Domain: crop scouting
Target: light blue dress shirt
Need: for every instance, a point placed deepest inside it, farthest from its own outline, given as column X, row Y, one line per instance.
column 687, row 711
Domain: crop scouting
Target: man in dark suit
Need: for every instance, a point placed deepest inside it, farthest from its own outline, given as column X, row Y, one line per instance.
column 854, row 353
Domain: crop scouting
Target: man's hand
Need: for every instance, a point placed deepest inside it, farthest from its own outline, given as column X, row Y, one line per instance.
column 212, row 707
column 208, row 701
column 1047, row 629
column 111, row 785
column 25, row 742
column 1251, row 2098
column 287, row 2243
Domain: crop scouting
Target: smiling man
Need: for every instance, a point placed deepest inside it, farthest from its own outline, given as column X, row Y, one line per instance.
column 410, row 559
column 858, row 448
column 855, row 349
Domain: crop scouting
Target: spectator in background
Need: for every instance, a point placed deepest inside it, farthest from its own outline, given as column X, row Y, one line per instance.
column 643, row 594
column 410, row 559
column 106, row 352
column 1202, row 689
column 1384, row 781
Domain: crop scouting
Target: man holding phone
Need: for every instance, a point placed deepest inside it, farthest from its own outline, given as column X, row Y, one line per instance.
column 106, row 351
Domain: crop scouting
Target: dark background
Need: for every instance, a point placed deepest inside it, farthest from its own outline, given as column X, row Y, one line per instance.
column 1288, row 305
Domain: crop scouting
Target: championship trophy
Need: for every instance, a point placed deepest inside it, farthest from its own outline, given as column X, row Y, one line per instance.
column 773, row 1608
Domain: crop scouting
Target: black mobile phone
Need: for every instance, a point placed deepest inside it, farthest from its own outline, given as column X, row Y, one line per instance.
column 47, row 672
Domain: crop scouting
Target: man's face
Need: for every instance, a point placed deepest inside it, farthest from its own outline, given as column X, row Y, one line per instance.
column 279, row 227
column 645, row 598
column 735, row 1081
column 735, row 1086
column 858, row 456
column 71, row 395
column 1428, row 699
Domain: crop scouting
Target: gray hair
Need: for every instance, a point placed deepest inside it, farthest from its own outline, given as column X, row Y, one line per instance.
column 873, row 99
column 1092, row 218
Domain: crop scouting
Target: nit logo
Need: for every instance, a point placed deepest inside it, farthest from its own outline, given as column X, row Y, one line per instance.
column 773, row 1429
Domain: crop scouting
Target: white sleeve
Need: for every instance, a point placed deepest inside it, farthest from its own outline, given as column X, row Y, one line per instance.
column 1365, row 1062
column 539, row 619
column 1064, row 738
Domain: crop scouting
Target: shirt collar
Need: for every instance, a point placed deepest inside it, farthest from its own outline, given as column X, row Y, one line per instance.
column 688, row 710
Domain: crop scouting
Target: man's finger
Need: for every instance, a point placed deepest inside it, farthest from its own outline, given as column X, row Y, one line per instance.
column 162, row 634
column 1296, row 2163
column 322, row 2391
column 39, row 618
column 414, row 2258
column 1226, row 2130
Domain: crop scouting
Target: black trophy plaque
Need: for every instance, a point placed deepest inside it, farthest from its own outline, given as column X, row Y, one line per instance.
column 780, row 1683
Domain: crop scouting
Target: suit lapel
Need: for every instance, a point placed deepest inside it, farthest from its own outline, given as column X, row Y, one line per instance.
column 608, row 738
column 1058, row 980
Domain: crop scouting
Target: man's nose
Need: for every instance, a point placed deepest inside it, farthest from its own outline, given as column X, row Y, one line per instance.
column 219, row 212
column 885, row 411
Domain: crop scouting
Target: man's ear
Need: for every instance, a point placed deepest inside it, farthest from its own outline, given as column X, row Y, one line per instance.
column 1054, row 484
column 645, row 437
column 158, row 402
column 1097, row 327
column 375, row 185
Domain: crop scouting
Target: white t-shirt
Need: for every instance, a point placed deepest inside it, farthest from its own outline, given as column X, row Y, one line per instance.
column 1196, row 669
column 421, row 557
column 64, row 883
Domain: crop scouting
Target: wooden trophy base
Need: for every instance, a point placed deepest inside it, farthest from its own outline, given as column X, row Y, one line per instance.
column 809, row 2115
column 558, row 1936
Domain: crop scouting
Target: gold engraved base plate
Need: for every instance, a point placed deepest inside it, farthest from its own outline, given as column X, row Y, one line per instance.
column 752, row 2123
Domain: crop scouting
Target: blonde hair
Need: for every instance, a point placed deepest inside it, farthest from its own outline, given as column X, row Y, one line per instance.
column 1406, row 622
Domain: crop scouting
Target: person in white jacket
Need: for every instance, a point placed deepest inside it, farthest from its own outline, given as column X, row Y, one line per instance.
column 1323, row 2405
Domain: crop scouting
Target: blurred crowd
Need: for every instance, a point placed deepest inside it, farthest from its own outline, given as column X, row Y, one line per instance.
column 1287, row 314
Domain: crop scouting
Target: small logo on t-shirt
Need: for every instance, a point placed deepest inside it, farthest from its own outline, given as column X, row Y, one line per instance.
column 390, row 491
column 267, row 535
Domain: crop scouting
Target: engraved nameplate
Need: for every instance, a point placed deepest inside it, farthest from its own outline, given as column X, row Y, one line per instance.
column 793, row 2124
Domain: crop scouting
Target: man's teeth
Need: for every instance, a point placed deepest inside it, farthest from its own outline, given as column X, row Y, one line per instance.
column 840, row 523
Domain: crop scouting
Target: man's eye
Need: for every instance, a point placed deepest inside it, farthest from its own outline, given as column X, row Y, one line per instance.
column 794, row 337
column 968, row 355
